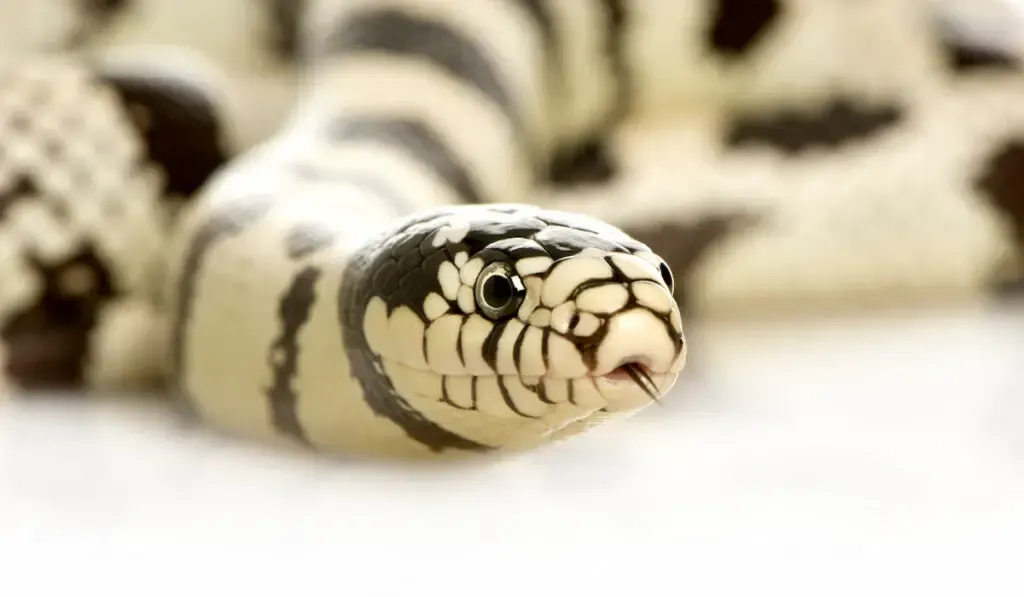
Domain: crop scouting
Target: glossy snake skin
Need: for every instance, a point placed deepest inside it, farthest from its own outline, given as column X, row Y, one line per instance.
column 429, row 228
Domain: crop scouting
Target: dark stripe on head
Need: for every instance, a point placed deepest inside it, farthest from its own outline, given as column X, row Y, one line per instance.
column 542, row 393
column 509, row 402
column 458, row 342
column 616, row 22
column 229, row 220
column 792, row 130
column 545, row 351
column 517, row 348
column 416, row 140
column 357, row 289
column 489, row 349
column 448, row 399
column 398, row 33
column 293, row 313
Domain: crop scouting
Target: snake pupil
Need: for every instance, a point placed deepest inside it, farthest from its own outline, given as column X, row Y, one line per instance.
column 498, row 291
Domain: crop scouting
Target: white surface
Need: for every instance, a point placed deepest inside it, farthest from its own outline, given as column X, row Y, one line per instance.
column 820, row 458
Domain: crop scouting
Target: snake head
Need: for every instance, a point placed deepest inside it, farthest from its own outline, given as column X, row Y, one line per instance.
column 511, row 326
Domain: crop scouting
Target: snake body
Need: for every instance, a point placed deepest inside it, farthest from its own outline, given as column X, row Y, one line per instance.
column 479, row 226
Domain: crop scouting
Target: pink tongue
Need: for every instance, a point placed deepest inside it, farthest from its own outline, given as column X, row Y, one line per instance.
column 619, row 374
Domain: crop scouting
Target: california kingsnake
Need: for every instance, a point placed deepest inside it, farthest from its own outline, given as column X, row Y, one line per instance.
column 420, row 260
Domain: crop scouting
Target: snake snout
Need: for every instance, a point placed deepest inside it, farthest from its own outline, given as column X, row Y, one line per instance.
column 638, row 338
column 638, row 360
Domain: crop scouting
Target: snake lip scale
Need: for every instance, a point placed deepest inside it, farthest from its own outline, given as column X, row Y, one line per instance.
column 475, row 230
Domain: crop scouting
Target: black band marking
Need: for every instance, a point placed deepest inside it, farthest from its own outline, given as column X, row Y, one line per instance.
column 1002, row 185
column 396, row 32
column 228, row 221
column 963, row 58
column 416, row 140
column 294, row 311
column 48, row 343
column 615, row 48
column 740, row 24
column 541, row 15
column 587, row 163
column 792, row 131
column 284, row 20
column 180, row 127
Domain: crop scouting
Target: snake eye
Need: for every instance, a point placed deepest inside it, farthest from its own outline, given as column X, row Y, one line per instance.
column 666, row 275
column 499, row 291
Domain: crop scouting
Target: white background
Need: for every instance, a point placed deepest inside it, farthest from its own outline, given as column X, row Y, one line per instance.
column 857, row 456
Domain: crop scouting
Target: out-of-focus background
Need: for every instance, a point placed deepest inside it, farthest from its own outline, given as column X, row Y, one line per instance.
column 878, row 452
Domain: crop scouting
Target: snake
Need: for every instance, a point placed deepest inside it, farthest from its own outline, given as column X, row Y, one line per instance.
column 480, row 227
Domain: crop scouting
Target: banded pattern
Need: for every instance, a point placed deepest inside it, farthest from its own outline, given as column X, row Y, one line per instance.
column 392, row 271
column 89, row 156
column 592, row 300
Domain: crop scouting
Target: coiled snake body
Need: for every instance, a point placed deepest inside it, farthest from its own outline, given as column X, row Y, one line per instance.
column 463, row 237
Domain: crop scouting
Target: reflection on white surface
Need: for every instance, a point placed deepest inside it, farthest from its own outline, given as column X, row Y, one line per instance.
column 889, row 440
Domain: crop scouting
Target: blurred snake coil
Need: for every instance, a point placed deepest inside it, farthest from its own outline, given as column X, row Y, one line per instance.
column 427, row 228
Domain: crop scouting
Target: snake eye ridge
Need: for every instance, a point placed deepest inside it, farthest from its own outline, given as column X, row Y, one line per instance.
column 499, row 291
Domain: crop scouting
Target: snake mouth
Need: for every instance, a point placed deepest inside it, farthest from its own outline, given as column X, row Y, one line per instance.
column 635, row 371
column 627, row 370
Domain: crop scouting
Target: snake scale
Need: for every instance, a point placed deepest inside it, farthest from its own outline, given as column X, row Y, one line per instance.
column 478, row 226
